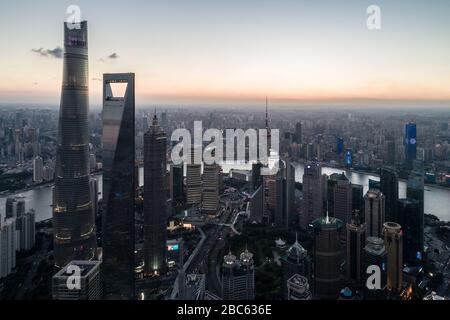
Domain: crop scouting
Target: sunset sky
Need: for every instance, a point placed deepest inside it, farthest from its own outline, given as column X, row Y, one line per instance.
column 233, row 50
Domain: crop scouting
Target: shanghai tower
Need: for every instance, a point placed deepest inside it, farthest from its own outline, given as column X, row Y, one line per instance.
column 73, row 216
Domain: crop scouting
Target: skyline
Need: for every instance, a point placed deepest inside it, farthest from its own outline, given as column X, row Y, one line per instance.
column 298, row 52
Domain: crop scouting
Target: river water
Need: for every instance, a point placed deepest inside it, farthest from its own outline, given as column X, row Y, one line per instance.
column 437, row 200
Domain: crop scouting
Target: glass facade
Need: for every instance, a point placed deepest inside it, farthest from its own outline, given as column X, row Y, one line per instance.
column 410, row 144
column 118, row 188
column 73, row 216
column 155, row 220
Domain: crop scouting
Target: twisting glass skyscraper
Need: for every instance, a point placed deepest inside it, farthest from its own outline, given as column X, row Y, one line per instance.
column 73, row 217
column 155, row 219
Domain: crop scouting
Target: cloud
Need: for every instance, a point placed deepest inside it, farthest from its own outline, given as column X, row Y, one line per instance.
column 113, row 56
column 56, row 53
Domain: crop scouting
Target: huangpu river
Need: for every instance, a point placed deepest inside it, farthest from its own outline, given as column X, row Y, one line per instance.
column 437, row 200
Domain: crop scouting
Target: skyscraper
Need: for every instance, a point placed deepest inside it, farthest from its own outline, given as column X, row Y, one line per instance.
column 176, row 184
column 356, row 239
column 238, row 277
column 389, row 187
column 298, row 133
column 90, row 282
column 393, row 241
column 312, row 194
column 25, row 225
column 374, row 212
column 210, row 196
column 38, row 169
column 295, row 262
column 257, row 205
column 343, row 202
column 73, row 218
column 118, row 187
column 410, row 144
column 410, row 217
column 375, row 254
column 257, row 178
column 193, row 181
column 327, row 257
column 358, row 198
column 155, row 220
column 339, row 145
column 8, row 244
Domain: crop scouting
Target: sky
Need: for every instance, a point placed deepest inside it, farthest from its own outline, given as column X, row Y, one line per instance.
column 204, row 51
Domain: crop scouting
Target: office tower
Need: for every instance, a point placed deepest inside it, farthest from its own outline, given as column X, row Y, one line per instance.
column 410, row 144
column 193, row 181
column 343, row 199
column 389, row 188
column 298, row 133
column 312, row 194
column 194, row 287
column 90, row 285
column 14, row 207
column 155, row 219
column 298, row 288
column 25, row 225
column 176, row 184
column 289, row 188
column 416, row 185
column 20, row 207
column 257, row 178
column 340, row 145
column 331, row 182
column 393, row 241
column 11, row 207
column 410, row 217
column 375, row 254
column 8, row 246
column 238, row 277
column 327, row 257
column 257, row 205
column 391, row 153
column 210, row 196
column 164, row 121
column 18, row 147
column 295, row 262
column 356, row 238
column 358, row 199
column 348, row 158
column 374, row 212
column 247, row 266
column 93, row 185
column 38, row 169
column 118, row 187
column 73, row 219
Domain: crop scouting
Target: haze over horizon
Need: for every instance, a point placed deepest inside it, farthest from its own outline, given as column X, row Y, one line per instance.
column 206, row 52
